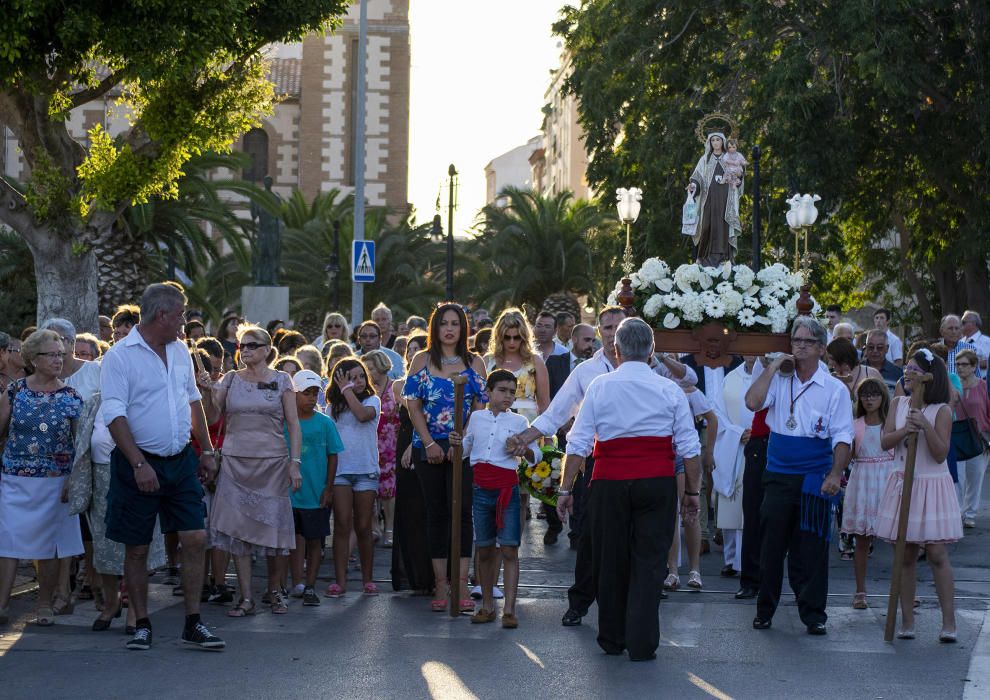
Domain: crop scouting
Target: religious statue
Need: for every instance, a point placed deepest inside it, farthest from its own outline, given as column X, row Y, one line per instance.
column 718, row 180
column 266, row 258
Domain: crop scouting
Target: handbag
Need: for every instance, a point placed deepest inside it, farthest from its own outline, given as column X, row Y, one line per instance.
column 81, row 477
column 966, row 439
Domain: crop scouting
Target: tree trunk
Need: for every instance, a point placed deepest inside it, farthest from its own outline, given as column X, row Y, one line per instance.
column 977, row 282
column 928, row 318
column 66, row 280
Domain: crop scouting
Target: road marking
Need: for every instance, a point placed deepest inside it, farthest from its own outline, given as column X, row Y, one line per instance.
column 707, row 687
column 978, row 677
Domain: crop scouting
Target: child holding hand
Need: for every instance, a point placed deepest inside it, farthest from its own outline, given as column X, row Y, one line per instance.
column 496, row 493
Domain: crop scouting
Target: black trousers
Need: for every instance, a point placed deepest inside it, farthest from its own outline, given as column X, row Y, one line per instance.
column 755, row 453
column 806, row 552
column 581, row 595
column 436, row 480
column 632, row 524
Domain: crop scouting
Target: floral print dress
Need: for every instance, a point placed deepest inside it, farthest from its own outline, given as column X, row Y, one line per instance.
column 437, row 397
column 388, row 429
column 41, row 441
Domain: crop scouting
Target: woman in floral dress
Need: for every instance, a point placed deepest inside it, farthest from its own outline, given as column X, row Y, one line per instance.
column 379, row 365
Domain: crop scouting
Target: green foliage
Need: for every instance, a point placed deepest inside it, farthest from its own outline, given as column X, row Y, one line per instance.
column 17, row 311
column 538, row 245
column 877, row 106
column 47, row 193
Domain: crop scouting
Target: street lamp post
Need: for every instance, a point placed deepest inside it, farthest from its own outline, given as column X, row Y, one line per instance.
column 800, row 218
column 627, row 204
column 451, row 205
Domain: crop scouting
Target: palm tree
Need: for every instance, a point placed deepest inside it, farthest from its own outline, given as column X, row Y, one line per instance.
column 537, row 246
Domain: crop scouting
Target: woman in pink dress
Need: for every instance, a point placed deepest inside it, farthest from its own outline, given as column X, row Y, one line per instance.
column 379, row 365
column 934, row 519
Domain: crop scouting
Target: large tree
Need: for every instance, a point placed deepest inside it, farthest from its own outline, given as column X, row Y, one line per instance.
column 191, row 75
column 878, row 106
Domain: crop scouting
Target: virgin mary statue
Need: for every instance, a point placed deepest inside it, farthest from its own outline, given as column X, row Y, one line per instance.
column 718, row 206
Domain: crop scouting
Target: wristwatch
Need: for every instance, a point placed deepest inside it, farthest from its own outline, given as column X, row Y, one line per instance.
column 563, row 492
column 207, row 453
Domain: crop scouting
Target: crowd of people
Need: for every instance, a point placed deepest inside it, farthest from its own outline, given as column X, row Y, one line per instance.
column 112, row 464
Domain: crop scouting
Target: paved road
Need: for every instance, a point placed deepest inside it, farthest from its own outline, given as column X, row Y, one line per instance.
column 393, row 646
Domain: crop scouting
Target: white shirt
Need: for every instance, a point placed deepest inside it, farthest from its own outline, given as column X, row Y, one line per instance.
column 568, row 400
column 895, row 348
column 360, row 440
column 982, row 344
column 558, row 349
column 154, row 399
column 86, row 379
column 823, row 411
column 484, row 440
column 634, row 402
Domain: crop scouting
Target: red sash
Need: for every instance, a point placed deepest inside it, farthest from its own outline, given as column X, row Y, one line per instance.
column 633, row 458
column 488, row 476
column 760, row 427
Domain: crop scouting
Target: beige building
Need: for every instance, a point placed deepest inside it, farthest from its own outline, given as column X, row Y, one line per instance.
column 564, row 162
column 308, row 143
column 511, row 169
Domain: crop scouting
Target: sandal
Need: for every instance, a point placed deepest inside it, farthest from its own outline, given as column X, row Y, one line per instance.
column 334, row 591
column 61, row 606
column 672, row 582
column 370, row 589
column 439, row 604
column 694, row 580
column 859, row 601
column 466, row 604
column 242, row 609
column 905, row 634
column 947, row 637
column 278, row 603
column 46, row 617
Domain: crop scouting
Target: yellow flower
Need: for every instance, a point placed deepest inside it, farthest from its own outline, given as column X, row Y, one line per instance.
column 542, row 470
column 536, row 482
column 528, row 472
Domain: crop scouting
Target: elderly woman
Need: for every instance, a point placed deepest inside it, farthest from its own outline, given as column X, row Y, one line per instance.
column 335, row 327
column 11, row 362
column 41, row 411
column 974, row 403
column 251, row 509
column 87, row 347
column 843, row 362
column 388, row 427
column 382, row 316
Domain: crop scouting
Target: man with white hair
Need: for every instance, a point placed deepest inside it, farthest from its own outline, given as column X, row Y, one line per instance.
column 972, row 334
column 631, row 420
column 952, row 333
column 382, row 315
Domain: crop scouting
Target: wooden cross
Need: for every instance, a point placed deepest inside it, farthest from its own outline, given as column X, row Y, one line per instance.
column 454, row 559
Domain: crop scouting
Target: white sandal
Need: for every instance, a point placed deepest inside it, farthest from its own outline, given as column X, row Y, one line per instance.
column 672, row 582
column 694, row 580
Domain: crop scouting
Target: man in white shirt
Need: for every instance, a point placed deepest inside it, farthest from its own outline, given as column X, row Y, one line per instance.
column 544, row 336
column 151, row 404
column 810, row 420
column 971, row 325
column 895, row 348
column 632, row 420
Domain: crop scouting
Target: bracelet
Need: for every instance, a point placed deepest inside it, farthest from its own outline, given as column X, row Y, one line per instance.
column 297, row 460
column 207, row 453
column 690, row 493
column 426, row 447
column 140, row 464
column 346, row 387
column 563, row 492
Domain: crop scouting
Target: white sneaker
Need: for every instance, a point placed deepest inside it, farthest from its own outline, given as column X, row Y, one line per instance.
column 497, row 593
column 297, row 590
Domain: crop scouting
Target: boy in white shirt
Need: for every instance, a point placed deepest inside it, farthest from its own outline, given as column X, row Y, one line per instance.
column 496, row 493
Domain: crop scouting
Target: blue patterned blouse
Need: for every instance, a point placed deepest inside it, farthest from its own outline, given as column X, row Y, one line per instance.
column 40, row 439
column 437, row 396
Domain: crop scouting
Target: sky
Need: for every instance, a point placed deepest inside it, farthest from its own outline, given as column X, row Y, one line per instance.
column 479, row 72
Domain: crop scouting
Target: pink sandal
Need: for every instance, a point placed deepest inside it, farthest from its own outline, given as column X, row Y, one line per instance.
column 442, row 589
column 370, row 589
column 334, row 591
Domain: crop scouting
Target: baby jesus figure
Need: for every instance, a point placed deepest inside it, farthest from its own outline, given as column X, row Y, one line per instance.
column 733, row 164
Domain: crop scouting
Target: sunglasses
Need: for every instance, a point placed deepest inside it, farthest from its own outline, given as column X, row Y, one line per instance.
column 371, row 336
column 251, row 346
column 334, row 325
column 512, row 338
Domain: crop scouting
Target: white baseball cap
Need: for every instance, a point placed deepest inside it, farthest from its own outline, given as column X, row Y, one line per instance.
column 306, row 379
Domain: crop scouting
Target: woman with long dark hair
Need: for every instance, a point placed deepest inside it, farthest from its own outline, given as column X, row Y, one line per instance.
column 429, row 394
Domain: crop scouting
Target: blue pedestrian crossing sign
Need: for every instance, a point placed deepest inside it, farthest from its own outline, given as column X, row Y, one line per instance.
column 363, row 261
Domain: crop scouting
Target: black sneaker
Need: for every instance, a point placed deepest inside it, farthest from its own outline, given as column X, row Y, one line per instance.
column 141, row 641
column 201, row 637
column 204, row 594
column 309, row 597
column 221, row 595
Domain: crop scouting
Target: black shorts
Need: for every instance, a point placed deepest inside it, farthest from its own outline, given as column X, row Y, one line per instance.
column 178, row 502
column 312, row 523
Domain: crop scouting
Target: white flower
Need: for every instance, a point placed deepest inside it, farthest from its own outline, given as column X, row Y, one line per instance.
column 672, row 300
column 731, row 300
column 796, row 280
column 723, row 287
column 773, row 273
column 747, row 317
column 654, row 270
column 665, row 285
column 652, row 306
column 778, row 319
column 555, row 463
column 713, row 272
column 751, row 302
column 763, row 320
column 685, row 276
column 715, row 309
column 704, row 279
column 743, row 277
column 671, row 321
column 547, row 482
column 611, row 300
column 692, row 308
column 636, row 281
column 555, row 474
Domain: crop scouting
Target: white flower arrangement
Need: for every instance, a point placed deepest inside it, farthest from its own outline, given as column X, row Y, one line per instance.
column 692, row 295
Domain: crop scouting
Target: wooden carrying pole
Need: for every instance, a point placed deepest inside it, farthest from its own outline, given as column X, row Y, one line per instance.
column 918, row 382
column 454, row 558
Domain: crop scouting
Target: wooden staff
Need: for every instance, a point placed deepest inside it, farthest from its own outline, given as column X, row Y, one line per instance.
column 454, row 559
column 918, row 382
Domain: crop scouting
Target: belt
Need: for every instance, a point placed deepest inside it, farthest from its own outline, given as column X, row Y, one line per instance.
column 171, row 458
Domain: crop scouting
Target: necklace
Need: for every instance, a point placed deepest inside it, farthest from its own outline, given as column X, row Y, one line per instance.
column 791, row 422
column 450, row 360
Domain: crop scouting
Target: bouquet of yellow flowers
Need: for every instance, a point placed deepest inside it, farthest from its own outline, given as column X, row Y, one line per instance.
column 542, row 480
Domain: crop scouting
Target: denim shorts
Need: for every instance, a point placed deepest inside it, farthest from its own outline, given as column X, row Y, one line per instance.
column 358, row 482
column 485, row 532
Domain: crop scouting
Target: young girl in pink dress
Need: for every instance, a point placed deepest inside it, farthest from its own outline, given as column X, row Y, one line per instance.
column 934, row 519
column 870, row 467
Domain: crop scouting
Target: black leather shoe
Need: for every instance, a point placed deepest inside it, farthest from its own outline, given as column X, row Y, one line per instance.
column 550, row 537
column 817, row 629
column 760, row 624
column 728, row 571
column 571, row 618
column 574, row 543
column 746, row 592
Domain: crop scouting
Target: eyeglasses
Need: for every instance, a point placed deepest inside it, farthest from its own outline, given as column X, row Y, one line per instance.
column 876, row 347
column 12, row 349
column 805, row 342
column 57, row 355
column 868, row 397
column 512, row 338
column 251, row 346
column 369, row 336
